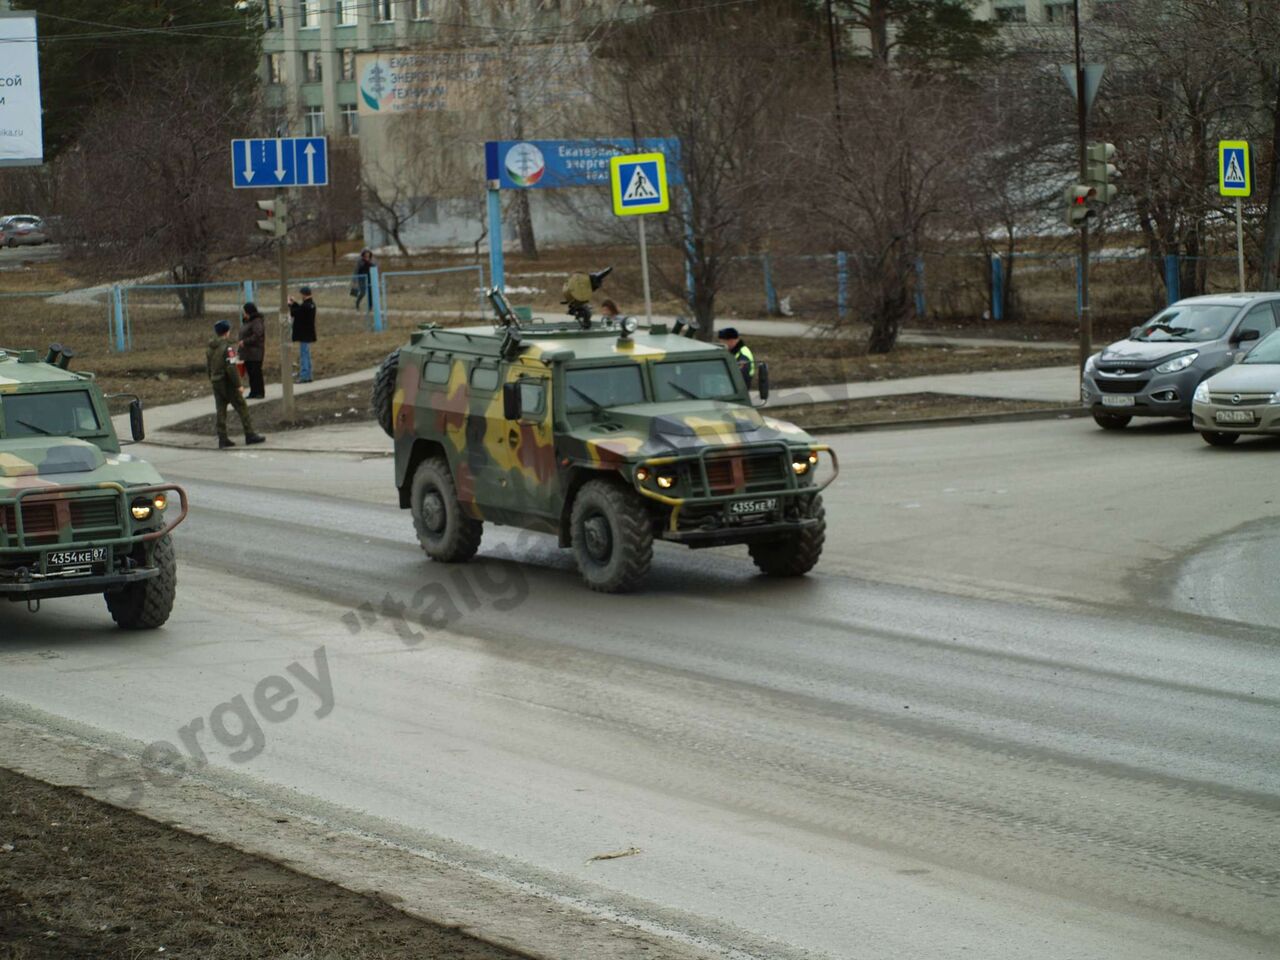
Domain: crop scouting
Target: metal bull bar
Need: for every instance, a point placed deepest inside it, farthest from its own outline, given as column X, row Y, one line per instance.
column 793, row 486
column 124, row 494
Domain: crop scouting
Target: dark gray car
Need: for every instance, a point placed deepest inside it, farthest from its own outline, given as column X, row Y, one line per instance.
column 1155, row 372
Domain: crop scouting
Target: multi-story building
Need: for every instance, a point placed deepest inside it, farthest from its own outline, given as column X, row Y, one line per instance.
column 310, row 49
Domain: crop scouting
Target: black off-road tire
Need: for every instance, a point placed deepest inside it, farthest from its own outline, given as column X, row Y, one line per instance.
column 1111, row 421
column 444, row 531
column 146, row 605
column 612, row 537
column 384, row 391
column 795, row 555
column 1216, row 438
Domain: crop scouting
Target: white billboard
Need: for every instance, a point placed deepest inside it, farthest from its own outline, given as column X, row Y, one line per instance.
column 21, row 137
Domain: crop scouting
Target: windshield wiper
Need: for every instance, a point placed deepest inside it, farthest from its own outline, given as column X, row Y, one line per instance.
column 596, row 405
column 32, row 426
column 688, row 393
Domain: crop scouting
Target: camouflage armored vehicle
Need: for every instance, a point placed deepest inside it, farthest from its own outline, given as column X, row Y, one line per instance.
column 77, row 516
column 603, row 436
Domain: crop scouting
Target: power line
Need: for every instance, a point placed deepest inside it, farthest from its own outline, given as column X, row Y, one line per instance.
column 192, row 30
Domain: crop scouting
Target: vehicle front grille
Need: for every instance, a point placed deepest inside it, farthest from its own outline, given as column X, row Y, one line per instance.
column 39, row 521
column 754, row 473
column 1246, row 399
column 1120, row 386
column 89, row 518
column 95, row 514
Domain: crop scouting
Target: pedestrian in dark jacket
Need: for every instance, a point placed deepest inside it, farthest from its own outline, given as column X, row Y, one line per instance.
column 360, row 279
column 304, row 332
column 253, row 348
column 220, row 360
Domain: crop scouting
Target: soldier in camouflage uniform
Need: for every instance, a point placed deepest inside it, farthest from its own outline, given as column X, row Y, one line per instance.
column 225, row 380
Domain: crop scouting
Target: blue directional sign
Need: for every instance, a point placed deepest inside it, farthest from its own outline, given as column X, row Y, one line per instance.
column 280, row 162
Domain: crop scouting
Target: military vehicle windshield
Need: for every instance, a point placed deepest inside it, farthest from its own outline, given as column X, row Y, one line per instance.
column 693, row 380
column 49, row 414
column 596, row 388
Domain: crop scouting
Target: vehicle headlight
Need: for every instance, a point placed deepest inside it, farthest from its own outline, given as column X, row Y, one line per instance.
column 666, row 480
column 642, row 474
column 1202, row 393
column 160, row 502
column 1091, row 363
column 804, row 463
column 141, row 508
column 629, row 324
column 1275, row 397
column 1177, row 363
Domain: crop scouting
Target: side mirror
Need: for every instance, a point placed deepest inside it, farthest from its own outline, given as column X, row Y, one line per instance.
column 511, row 400
column 1244, row 336
column 762, row 381
column 137, row 426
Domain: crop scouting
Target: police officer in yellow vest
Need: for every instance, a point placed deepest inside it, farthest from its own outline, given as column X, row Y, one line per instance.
column 225, row 380
column 741, row 352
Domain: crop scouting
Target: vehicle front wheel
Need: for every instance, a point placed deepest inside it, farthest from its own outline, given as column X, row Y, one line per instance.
column 795, row 555
column 612, row 537
column 444, row 531
column 147, row 604
column 1216, row 438
column 1111, row 421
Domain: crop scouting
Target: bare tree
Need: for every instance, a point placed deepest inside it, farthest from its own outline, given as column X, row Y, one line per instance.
column 1174, row 89
column 726, row 82
column 146, row 187
column 892, row 175
column 331, row 214
column 400, row 182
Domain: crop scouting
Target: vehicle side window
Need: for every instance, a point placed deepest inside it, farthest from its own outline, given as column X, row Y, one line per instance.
column 484, row 377
column 436, row 371
column 1261, row 318
column 533, row 398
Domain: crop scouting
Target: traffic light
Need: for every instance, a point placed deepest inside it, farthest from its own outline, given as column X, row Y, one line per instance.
column 1100, row 172
column 1080, row 204
column 275, row 224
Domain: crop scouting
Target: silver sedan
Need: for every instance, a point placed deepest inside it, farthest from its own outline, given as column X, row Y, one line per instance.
column 22, row 229
column 1244, row 398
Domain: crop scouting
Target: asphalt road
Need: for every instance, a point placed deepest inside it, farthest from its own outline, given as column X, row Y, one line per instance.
column 998, row 724
column 12, row 258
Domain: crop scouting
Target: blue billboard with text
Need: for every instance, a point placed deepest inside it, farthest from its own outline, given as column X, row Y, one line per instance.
column 543, row 164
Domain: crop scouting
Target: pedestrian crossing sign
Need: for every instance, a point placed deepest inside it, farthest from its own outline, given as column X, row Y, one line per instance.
column 639, row 184
column 1233, row 168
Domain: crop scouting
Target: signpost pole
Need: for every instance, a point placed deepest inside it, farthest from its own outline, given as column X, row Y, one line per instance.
column 644, row 269
column 286, row 356
column 497, row 266
column 1082, row 112
column 1235, row 179
column 1240, row 240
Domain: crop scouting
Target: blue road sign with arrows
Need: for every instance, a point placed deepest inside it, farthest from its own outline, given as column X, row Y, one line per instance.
column 280, row 162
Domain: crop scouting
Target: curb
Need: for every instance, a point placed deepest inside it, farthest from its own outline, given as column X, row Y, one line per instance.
column 1051, row 413
column 268, row 448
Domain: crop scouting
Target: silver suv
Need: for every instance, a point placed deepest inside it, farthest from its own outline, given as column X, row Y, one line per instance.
column 1155, row 372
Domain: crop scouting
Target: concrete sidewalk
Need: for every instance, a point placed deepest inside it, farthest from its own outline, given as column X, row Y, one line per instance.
column 365, row 438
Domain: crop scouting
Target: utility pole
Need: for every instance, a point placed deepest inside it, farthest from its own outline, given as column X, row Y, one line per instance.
column 286, row 359
column 1086, row 319
column 835, row 64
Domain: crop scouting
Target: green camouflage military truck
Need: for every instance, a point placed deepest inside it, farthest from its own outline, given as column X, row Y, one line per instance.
column 604, row 437
column 77, row 516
